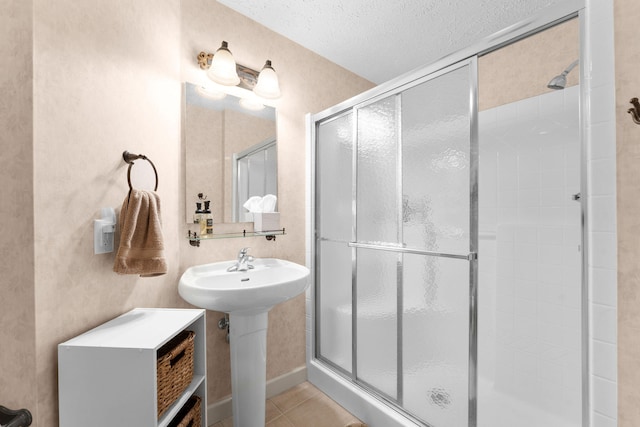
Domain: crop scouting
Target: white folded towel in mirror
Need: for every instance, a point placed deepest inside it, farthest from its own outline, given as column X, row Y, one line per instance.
column 257, row 204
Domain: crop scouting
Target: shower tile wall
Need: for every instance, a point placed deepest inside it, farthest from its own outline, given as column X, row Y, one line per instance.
column 530, row 265
column 601, row 78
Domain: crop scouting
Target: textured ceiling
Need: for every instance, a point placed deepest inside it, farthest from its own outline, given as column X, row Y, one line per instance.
column 382, row 39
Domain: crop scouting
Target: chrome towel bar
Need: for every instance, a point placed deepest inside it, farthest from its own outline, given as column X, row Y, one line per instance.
column 470, row 256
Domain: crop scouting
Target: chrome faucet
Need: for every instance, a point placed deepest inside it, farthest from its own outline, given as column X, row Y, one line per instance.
column 242, row 264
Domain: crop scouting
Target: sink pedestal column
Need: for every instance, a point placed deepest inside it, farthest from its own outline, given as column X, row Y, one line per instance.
column 248, row 340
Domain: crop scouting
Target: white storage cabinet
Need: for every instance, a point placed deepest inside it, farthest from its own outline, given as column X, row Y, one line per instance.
column 107, row 376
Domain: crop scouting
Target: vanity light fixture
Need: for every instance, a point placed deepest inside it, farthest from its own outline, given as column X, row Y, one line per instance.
column 238, row 79
column 222, row 69
column 267, row 86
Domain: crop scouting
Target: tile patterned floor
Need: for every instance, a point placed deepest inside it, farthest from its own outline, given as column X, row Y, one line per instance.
column 303, row 406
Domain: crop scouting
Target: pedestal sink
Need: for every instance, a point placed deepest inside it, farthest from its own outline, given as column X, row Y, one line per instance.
column 247, row 296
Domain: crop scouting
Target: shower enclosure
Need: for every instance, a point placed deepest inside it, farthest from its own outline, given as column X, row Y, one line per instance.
column 447, row 250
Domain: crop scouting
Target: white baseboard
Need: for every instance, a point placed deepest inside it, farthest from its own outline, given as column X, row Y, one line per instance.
column 221, row 409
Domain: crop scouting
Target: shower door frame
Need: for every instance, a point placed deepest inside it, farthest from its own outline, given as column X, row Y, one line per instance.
column 317, row 372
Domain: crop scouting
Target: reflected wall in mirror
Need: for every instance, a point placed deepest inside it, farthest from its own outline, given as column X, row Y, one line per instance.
column 230, row 153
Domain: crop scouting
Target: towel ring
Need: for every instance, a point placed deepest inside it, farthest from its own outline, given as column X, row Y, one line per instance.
column 129, row 158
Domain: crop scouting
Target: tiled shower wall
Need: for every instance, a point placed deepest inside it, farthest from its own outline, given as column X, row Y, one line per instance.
column 599, row 112
column 598, row 82
column 530, row 253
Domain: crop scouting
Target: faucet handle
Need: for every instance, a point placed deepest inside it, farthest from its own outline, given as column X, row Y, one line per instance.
column 243, row 252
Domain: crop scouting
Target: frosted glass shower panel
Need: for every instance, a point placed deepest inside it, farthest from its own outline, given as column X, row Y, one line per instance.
column 334, row 177
column 334, row 304
column 377, row 166
column 435, row 163
column 396, row 233
column 243, row 184
column 271, row 166
column 377, row 319
column 435, row 339
column 256, row 174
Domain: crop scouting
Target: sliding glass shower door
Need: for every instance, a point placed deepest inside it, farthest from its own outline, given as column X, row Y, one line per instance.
column 396, row 243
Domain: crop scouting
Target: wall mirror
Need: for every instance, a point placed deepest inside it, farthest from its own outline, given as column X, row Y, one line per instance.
column 230, row 153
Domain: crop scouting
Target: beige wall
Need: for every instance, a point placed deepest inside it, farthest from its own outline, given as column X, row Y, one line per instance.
column 107, row 78
column 309, row 83
column 17, row 318
column 523, row 69
column 627, row 57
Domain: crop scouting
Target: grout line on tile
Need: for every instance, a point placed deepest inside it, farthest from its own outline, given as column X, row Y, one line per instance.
column 294, row 407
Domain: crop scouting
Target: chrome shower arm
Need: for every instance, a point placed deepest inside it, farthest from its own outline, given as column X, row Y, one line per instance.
column 571, row 67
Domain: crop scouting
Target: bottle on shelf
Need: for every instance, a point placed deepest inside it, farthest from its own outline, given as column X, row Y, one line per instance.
column 198, row 213
column 206, row 221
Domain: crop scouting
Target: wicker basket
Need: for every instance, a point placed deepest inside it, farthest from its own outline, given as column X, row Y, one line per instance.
column 189, row 415
column 175, row 369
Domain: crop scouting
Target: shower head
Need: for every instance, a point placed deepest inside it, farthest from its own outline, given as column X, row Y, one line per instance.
column 560, row 81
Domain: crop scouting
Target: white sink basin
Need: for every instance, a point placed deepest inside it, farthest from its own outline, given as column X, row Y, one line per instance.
column 247, row 296
column 270, row 282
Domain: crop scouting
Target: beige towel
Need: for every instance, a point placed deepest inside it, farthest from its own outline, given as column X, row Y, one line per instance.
column 141, row 249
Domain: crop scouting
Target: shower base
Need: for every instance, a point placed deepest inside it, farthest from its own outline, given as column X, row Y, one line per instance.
column 496, row 409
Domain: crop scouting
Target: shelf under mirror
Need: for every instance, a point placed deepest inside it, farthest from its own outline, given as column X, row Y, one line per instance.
column 195, row 239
